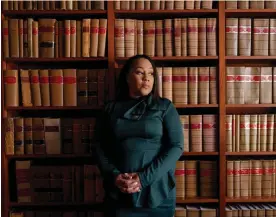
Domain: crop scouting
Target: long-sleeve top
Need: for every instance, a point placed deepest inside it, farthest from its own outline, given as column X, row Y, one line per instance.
column 143, row 136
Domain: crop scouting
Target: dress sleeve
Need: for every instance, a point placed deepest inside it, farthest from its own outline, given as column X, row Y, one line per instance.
column 103, row 134
column 173, row 149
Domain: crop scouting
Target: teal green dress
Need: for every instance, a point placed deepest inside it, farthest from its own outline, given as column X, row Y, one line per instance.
column 145, row 136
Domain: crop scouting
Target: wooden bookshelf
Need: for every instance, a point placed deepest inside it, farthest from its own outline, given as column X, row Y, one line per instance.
column 111, row 62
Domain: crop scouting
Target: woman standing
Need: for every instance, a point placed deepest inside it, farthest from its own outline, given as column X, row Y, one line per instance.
column 139, row 141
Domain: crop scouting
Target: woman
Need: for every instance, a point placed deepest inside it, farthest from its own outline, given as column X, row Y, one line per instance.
column 139, row 141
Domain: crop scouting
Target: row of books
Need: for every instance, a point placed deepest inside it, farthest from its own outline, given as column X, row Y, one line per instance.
column 188, row 85
column 251, row 178
column 195, row 211
column 200, row 133
column 250, row 85
column 168, row 37
column 162, row 4
column 250, row 133
column 251, row 210
column 42, row 213
column 55, row 183
column 196, row 178
column 247, row 36
column 50, row 38
column 54, row 87
column 53, row 5
column 250, row 4
column 49, row 135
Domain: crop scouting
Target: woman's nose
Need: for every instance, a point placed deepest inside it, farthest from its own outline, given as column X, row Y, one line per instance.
column 146, row 77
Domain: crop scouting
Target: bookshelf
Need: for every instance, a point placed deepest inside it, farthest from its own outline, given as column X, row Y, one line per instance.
column 222, row 109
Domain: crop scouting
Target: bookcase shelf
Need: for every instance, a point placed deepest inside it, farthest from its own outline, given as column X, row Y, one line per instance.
column 176, row 58
column 251, row 153
column 196, row 200
column 251, row 200
column 250, row 13
column 53, row 13
column 200, row 154
column 55, row 60
column 196, row 105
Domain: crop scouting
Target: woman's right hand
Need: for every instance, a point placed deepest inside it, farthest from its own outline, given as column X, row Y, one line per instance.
column 126, row 184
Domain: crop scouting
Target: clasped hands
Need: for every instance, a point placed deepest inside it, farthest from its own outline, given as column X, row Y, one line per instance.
column 128, row 183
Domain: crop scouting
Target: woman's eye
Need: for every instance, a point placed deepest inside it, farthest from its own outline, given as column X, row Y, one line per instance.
column 139, row 73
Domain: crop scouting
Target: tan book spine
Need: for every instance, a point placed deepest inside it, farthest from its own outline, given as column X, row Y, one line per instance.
column 35, row 39
column 190, row 5
column 20, row 31
column 231, row 32
column 47, row 5
column 132, row 5
column 56, row 87
column 119, row 38
column 237, row 133
column 9, row 135
column 180, row 179
column 244, row 132
column 186, row 131
column 245, row 174
column 159, row 38
column 272, row 37
column 35, row 87
column 135, row 37
column 160, row 75
column 69, row 87
column 117, row 5
column 266, row 178
column 237, row 178
column 184, row 39
column 177, row 37
column 14, row 37
column 30, row 37
column 56, row 40
column 211, row 36
column 229, row 132
column 193, row 85
column 46, row 37
column 203, row 85
column 208, row 178
column 270, row 4
column 11, row 88
column 140, row 5
column 44, row 87
column 192, row 36
column 168, row 37
column 213, row 85
column 209, row 133
column 52, row 5
column 202, row 36
column 102, row 37
column 274, row 178
column 28, row 136
column 73, row 38
column 230, row 179
column 198, row 4
column 85, row 37
column 231, row 4
column 274, row 84
column 266, row 85
column 69, row 4
column 25, row 88
column 89, row 5
column 146, row 5
column 94, row 37
column 18, row 136
column 82, row 87
column 125, row 5
column 63, row 5
column 79, row 39
column 67, row 38
column 129, row 27
column 5, row 30
column 196, row 133
column 256, row 178
column 235, row 84
column 10, row 5
column 52, row 135
column 167, row 83
column 40, row 5
column 260, row 4
column 244, row 37
column 5, row 5
column 179, row 5
column 261, row 33
column 180, row 85
column 149, row 38
column 61, row 36
column 39, row 136
column 259, row 133
column 140, row 37
column 243, row 4
column 233, row 133
column 191, row 179
column 25, row 38
column 207, row 4
column 263, row 132
column 155, row 5
column 251, row 85
column 270, row 129
column 253, row 132
column 169, row 4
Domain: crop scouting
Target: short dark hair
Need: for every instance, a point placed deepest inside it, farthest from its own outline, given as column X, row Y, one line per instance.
column 122, row 89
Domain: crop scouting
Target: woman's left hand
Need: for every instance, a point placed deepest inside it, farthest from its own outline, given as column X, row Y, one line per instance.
column 132, row 189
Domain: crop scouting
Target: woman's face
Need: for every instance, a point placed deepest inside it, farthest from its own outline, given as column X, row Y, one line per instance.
column 140, row 78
